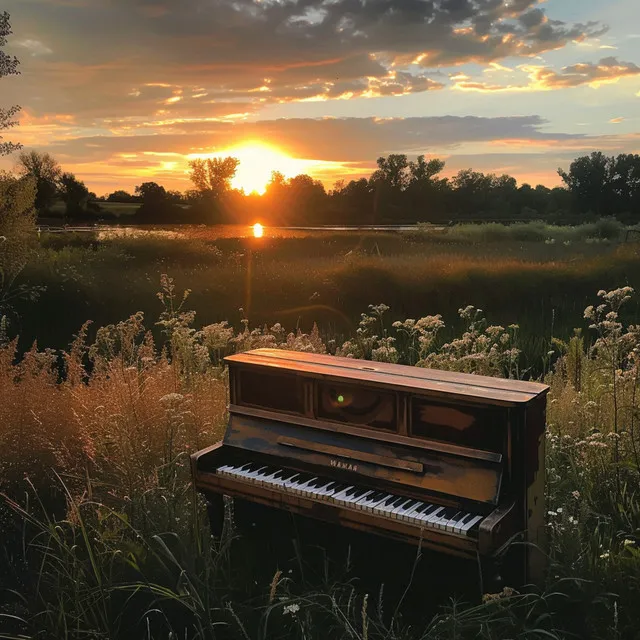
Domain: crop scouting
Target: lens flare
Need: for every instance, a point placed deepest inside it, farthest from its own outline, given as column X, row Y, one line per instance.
column 258, row 230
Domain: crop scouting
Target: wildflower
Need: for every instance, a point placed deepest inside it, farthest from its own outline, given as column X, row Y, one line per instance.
column 559, row 509
column 172, row 397
column 291, row 609
column 628, row 542
column 604, row 555
column 575, row 494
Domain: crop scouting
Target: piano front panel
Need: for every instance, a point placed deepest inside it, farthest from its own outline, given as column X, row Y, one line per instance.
column 473, row 426
column 275, row 391
column 418, row 470
column 357, row 405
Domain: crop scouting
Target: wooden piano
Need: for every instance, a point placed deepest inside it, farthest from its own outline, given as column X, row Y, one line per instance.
column 452, row 461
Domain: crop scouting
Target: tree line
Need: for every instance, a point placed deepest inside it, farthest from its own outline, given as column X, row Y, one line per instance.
column 399, row 191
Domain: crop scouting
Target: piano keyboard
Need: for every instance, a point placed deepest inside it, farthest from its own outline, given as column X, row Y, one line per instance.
column 380, row 503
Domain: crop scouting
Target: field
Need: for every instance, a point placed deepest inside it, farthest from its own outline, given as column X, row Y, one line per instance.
column 539, row 277
column 104, row 536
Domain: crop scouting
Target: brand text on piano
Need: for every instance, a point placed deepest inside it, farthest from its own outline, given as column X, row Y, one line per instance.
column 343, row 465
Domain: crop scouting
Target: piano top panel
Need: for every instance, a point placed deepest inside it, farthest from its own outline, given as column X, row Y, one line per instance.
column 465, row 386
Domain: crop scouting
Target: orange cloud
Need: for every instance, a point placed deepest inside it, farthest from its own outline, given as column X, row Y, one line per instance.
column 541, row 78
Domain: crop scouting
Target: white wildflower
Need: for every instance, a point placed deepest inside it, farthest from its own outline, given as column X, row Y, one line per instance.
column 291, row 609
column 172, row 397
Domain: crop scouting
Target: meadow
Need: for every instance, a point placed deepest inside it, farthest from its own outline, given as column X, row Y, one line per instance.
column 103, row 534
column 539, row 276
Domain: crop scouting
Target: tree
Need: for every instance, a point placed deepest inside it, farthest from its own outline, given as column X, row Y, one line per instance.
column 17, row 231
column 589, row 181
column 157, row 206
column 393, row 171
column 175, row 197
column 121, row 196
column 8, row 67
column 46, row 171
column 212, row 177
column 75, row 194
column 151, row 194
column 422, row 172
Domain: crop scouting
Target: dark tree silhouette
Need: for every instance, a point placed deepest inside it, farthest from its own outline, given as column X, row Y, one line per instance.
column 212, row 177
column 47, row 173
column 75, row 194
column 8, row 67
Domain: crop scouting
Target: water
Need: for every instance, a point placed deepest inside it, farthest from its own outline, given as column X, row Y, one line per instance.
column 205, row 232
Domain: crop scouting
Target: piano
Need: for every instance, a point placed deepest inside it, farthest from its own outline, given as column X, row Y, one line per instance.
column 453, row 462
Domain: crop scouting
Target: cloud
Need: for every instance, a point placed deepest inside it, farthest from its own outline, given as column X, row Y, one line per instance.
column 325, row 139
column 544, row 78
column 593, row 74
column 616, row 120
column 103, row 50
column 35, row 47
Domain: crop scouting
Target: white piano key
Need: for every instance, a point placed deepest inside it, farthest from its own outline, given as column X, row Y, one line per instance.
column 387, row 506
column 407, row 511
column 339, row 497
column 469, row 523
column 302, row 489
column 256, row 474
column 431, row 516
column 396, row 511
column 454, row 520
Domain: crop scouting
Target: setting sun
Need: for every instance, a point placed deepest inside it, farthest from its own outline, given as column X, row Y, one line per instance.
column 258, row 230
column 257, row 161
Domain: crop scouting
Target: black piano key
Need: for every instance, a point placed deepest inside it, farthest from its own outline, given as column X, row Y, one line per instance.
column 447, row 514
column 410, row 505
column 304, row 477
column 422, row 509
column 359, row 492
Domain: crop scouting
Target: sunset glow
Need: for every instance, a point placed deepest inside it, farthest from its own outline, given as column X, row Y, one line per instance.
column 258, row 161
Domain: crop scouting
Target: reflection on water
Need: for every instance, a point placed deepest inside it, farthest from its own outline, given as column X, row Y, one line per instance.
column 204, row 232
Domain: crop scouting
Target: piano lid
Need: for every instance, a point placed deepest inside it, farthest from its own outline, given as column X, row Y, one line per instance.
column 466, row 386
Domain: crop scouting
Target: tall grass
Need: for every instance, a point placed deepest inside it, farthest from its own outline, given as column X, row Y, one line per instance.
column 328, row 279
column 104, row 536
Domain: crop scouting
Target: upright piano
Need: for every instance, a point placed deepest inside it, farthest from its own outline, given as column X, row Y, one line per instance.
column 453, row 462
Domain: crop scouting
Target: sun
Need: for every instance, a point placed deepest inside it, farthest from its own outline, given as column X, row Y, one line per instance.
column 257, row 161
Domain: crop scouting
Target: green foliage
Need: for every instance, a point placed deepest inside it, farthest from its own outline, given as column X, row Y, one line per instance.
column 8, row 67
column 17, row 233
column 212, row 176
column 74, row 193
column 46, row 171
column 603, row 230
column 603, row 184
column 130, row 556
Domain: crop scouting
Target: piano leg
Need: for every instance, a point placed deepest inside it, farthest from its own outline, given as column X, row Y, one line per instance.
column 216, row 512
column 491, row 580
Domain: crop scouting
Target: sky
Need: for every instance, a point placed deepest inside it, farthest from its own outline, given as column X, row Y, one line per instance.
column 125, row 91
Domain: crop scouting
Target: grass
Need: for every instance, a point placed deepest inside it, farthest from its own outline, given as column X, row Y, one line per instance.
column 328, row 278
column 603, row 230
column 105, row 538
